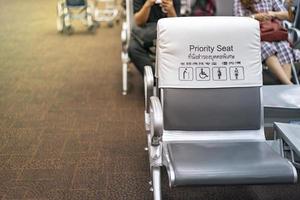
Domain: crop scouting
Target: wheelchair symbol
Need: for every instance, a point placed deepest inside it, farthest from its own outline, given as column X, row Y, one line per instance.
column 203, row 74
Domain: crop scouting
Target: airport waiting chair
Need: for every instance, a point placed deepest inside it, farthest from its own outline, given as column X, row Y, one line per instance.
column 68, row 10
column 281, row 102
column 206, row 119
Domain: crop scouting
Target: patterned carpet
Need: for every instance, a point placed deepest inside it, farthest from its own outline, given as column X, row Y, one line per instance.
column 66, row 132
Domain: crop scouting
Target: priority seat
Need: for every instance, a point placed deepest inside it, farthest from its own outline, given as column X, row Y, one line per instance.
column 206, row 116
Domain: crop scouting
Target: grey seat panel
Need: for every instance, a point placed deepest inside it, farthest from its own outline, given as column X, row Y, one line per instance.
column 212, row 109
column 281, row 113
column 228, row 163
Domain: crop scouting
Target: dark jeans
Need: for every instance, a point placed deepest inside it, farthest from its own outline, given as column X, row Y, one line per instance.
column 140, row 56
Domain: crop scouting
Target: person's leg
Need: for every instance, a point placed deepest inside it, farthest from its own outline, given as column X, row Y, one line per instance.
column 139, row 56
column 276, row 68
column 285, row 56
column 287, row 68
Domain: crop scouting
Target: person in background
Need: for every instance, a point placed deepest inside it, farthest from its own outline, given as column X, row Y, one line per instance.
column 203, row 7
column 277, row 55
column 149, row 12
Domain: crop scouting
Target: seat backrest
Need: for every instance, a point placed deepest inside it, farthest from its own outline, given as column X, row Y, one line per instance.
column 209, row 81
column 224, row 7
column 212, row 109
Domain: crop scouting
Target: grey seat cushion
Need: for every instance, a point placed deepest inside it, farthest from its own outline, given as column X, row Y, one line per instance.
column 213, row 163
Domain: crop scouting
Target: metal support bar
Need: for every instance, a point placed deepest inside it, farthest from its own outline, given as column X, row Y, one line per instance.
column 156, row 183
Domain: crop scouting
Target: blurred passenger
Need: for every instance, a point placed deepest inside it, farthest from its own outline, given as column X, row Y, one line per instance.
column 146, row 15
column 277, row 55
column 203, row 7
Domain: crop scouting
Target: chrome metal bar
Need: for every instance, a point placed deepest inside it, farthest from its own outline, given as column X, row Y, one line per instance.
column 156, row 183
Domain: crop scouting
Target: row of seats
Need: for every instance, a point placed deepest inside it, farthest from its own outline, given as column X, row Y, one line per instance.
column 205, row 123
column 210, row 132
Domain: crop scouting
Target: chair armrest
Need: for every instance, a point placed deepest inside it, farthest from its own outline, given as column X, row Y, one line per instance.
column 148, row 86
column 286, row 24
column 294, row 37
column 156, row 117
column 289, row 134
column 124, row 37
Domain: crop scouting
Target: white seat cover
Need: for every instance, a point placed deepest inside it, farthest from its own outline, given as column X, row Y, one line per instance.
column 208, row 57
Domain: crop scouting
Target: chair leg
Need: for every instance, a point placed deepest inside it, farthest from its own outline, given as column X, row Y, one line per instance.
column 156, row 183
column 294, row 73
column 67, row 18
column 124, row 74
